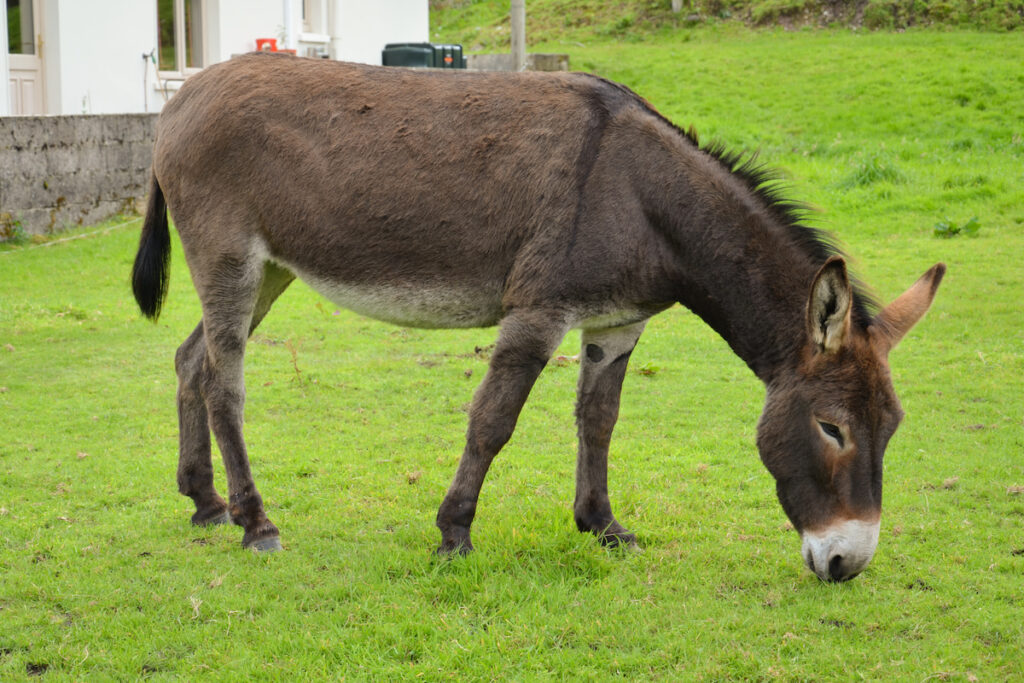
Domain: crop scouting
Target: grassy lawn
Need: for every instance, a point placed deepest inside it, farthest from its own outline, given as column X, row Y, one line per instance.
column 355, row 427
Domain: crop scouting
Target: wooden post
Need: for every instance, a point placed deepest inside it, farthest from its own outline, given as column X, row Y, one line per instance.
column 677, row 6
column 518, row 21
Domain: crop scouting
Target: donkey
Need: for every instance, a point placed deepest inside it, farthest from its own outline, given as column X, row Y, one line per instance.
column 536, row 202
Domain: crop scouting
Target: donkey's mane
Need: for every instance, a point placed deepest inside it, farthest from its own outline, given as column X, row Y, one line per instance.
column 765, row 183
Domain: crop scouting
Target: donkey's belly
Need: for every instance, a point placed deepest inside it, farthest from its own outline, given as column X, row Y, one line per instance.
column 414, row 305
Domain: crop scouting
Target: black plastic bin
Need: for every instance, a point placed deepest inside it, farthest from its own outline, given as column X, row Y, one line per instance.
column 424, row 55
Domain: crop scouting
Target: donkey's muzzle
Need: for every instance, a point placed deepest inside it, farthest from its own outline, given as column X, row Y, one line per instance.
column 841, row 550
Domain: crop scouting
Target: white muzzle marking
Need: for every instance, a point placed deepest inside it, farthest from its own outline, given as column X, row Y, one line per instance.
column 840, row 551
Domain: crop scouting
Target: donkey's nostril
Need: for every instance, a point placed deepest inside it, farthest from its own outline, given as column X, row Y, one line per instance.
column 835, row 568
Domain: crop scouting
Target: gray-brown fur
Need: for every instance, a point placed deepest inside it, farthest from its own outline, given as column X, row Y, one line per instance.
column 538, row 202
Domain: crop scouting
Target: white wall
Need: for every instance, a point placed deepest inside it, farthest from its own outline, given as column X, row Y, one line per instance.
column 93, row 60
column 359, row 28
column 234, row 26
column 362, row 28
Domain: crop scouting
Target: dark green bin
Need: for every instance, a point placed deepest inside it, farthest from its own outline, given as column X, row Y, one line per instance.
column 423, row 55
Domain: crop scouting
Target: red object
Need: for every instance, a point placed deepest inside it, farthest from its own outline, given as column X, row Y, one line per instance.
column 266, row 44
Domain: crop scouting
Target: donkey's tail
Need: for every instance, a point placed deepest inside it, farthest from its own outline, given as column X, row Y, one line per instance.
column 152, row 262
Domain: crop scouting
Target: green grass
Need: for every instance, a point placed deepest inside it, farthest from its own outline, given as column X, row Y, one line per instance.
column 355, row 427
column 483, row 25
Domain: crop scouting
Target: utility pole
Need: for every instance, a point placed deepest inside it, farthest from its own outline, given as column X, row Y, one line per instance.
column 518, row 21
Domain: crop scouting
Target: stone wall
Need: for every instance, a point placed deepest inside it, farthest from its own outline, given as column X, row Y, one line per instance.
column 502, row 61
column 61, row 171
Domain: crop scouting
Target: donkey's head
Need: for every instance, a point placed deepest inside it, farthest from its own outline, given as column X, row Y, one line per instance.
column 826, row 422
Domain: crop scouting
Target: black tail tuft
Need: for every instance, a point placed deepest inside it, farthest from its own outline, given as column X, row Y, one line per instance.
column 152, row 262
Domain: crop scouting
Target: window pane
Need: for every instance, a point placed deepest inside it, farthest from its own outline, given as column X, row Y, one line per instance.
column 193, row 34
column 165, row 34
column 20, row 32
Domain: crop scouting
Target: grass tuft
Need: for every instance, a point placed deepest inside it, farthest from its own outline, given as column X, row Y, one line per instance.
column 876, row 168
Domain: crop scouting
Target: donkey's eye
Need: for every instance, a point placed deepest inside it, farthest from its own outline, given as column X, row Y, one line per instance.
column 832, row 431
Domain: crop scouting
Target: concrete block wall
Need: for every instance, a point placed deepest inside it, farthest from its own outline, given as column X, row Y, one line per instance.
column 60, row 171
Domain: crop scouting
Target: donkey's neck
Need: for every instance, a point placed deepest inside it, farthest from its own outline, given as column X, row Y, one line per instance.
column 742, row 263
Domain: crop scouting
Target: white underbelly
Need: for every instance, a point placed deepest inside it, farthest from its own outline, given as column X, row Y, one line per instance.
column 446, row 305
column 430, row 306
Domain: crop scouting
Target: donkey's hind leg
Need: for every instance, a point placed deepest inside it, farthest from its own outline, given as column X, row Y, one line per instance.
column 603, row 360
column 195, row 469
column 235, row 297
column 525, row 343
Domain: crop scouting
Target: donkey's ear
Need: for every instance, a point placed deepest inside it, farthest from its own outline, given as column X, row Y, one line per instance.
column 896, row 319
column 828, row 309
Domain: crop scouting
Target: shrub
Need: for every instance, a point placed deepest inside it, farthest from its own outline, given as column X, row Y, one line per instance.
column 948, row 229
column 11, row 229
column 879, row 15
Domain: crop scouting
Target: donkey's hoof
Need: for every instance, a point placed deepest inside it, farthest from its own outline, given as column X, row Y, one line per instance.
column 264, row 538
column 623, row 539
column 208, row 519
column 631, row 547
column 270, row 544
column 454, row 548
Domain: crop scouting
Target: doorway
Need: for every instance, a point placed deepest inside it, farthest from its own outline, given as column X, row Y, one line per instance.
column 24, row 43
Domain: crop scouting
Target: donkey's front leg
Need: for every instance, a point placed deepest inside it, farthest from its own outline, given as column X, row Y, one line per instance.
column 603, row 360
column 525, row 343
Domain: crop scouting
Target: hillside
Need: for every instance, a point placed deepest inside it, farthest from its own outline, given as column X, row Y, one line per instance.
column 482, row 25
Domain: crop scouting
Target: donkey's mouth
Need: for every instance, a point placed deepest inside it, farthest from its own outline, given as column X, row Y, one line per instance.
column 841, row 551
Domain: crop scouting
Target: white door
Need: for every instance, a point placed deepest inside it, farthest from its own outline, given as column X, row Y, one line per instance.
column 25, row 59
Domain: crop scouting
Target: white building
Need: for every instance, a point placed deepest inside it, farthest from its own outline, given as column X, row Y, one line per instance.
column 123, row 56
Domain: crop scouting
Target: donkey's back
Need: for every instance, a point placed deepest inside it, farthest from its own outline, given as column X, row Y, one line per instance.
column 420, row 198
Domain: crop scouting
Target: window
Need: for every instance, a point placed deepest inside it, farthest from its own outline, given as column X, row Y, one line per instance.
column 314, row 39
column 20, row 34
column 180, row 32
